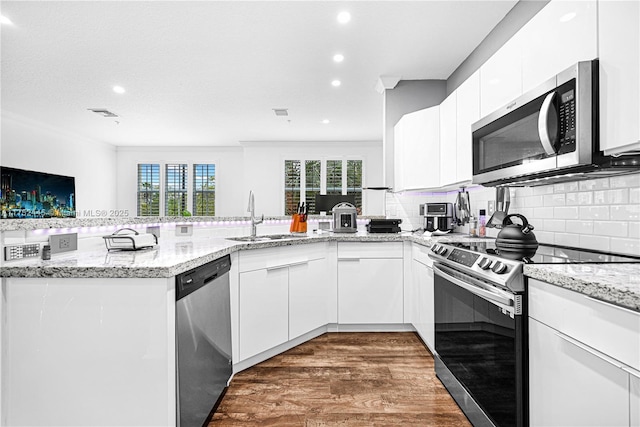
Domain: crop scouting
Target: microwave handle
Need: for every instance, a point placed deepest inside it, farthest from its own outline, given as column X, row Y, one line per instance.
column 548, row 118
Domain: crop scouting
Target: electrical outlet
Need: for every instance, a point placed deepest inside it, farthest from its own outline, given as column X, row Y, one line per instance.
column 63, row 242
column 184, row 229
column 491, row 208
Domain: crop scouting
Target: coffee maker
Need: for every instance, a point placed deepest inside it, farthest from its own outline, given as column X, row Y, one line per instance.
column 438, row 216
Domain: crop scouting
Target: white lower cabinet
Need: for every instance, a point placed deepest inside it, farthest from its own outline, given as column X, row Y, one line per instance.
column 370, row 283
column 570, row 385
column 308, row 297
column 264, row 310
column 424, row 324
column 584, row 368
column 283, row 293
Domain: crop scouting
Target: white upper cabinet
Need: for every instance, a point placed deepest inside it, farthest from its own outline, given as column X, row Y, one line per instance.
column 416, row 150
column 501, row 76
column 467, row 113
column 619, row 52
column 561, row 34
column 448, row 143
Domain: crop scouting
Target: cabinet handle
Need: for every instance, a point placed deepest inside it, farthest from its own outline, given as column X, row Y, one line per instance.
column 630, row 371
column 298, row 263
column 608, row 304
column 590, row 350
column 348, row 259
column 277, row 267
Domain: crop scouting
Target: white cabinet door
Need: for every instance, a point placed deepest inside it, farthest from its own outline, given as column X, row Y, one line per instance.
column 370, row 291
column 308, row 297
column 619, row 52
column 416, row 150
column 264, row 310
column 571, row 385
column 467, row 113
column 424, row 324
column 448, row 143
column 561, row 34
column 634, row 400
column 501, row 76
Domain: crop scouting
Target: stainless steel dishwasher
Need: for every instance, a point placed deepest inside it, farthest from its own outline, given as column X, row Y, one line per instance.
column 203, row 338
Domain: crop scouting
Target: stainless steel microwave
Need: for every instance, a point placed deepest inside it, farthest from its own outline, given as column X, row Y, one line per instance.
column 549, row 134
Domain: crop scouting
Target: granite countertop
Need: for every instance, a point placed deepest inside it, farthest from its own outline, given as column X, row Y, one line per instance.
column 615, row 283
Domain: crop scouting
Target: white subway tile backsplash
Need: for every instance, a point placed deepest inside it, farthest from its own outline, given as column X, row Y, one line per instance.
column 546, row 189
column 579, row 227
column 626, row 181
column 594, row 184
column 611, row 228
column 567, row 239
column 565, row 187
column 600, row 214
column 609, row 197
column 625, row 246
column 554, row 200
column 625, row 213
column 533, row 201
column 544, row 212
column 554, row 225
column 594, row 212
column 566, row 212
column 598, row 243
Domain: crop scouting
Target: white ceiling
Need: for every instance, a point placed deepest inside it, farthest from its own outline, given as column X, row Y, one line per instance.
column 210, row 72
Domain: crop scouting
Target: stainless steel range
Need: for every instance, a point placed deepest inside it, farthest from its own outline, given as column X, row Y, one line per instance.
column 481, row 326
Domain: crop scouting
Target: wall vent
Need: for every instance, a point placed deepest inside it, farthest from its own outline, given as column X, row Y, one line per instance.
column 281, row 111
column 103, row 112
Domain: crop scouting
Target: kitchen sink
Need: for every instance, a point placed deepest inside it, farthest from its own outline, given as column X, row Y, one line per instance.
column 266, row 238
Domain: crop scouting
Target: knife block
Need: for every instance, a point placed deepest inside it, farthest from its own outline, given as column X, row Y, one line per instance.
column 298, row 223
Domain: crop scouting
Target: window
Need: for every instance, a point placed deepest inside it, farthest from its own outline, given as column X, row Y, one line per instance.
column 334, row 177
column 354, row 182
column 175, row 194
column 312, row 187
column 148, row 190
column 291, row 186
column 311, row 182
column 204, row 190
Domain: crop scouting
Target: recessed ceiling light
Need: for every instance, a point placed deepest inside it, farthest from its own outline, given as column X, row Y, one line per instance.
column 118, row 89
column 5, row 20
column 568, row 17
column 338, row 57
column 336, row 83
column 344, row 17
column 325, row 122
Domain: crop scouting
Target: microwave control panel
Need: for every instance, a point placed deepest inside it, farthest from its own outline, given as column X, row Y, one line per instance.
column 567, row 116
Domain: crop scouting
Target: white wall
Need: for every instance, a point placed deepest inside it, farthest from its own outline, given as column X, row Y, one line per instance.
column 26, row 144
column 264, row 170
column 229, row 173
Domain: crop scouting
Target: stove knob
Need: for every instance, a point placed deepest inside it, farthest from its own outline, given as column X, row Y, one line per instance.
column 499, row 268
column 443, row 251
column 435, row 248
column 484, row 263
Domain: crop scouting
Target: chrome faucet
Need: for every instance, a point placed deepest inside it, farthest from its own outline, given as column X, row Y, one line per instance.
column 252, row 209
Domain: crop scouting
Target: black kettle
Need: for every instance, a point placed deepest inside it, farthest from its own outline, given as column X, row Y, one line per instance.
column 516, row 241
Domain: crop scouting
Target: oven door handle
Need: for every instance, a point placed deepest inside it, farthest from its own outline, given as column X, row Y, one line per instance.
column 503, row 301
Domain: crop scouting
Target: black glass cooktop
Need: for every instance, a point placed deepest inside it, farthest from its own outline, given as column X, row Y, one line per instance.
column 550, row 254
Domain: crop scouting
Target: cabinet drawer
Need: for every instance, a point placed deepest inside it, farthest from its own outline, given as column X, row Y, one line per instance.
column 361, row 250
column 421, row 254
column 281, row 256
column 612, row 330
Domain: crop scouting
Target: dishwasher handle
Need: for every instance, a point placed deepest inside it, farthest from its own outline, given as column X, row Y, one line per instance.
column 192, row 280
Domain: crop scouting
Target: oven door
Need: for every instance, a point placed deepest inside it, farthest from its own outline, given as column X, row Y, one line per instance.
column 547, row 128
column 480, row 343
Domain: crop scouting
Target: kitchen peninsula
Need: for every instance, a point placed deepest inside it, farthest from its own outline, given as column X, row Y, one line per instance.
column 91, row 330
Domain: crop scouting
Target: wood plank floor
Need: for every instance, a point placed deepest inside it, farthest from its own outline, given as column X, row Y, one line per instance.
column 342, row 379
